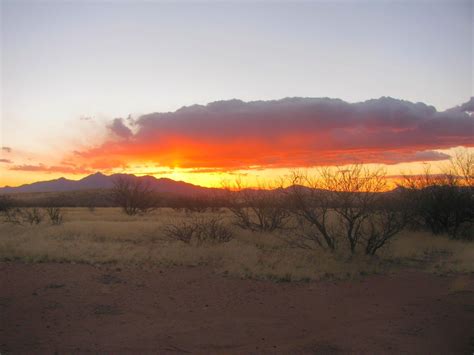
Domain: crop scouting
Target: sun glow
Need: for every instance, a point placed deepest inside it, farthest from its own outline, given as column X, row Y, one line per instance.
column 252, row 176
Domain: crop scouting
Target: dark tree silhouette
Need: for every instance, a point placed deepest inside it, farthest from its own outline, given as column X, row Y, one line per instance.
column 344, row 204
column 134, row 195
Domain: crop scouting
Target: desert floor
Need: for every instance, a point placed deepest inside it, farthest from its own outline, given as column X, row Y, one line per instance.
column 75, row 308
column 104, row 282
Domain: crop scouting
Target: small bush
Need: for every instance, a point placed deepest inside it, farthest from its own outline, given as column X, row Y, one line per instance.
column 184, row 231
column 441, row 203
column 387, row 219
column 13, row 216
column 213, row 231
column 33, row 215
column 257, row 210
column 55, row 215
column 22, row 216
column 199, row 231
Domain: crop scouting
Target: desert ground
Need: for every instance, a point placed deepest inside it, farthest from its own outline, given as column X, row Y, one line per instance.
column 104, row 282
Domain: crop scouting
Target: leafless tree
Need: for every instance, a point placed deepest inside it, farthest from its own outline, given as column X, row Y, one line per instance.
column 237, row 205
column 342, row 203
column 354, row 191
column 462, row 167
column 133, row 194
column 388, row 217
column 444, row 202
column 261, row 209
column 311, row 206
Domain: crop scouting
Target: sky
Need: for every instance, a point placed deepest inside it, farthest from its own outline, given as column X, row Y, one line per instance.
column 196, row 91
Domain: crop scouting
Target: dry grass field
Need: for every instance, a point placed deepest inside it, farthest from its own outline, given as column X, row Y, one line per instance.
column 105, row 282
column 106, row 236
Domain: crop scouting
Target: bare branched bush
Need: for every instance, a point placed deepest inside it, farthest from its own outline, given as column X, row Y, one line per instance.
column 14, row 216
column 261, row 209
column 28, row 215
column 388, row 217
column 354, row 190
column 443, row 203
column 33, row 215
column 462, row 167
column 134, row 195
column 311, row 208
column 213, row 231
column 55, row 215
column 342, row 204
column 183, row 231
column 25, row 215
column 10, row 212
column 199, row 231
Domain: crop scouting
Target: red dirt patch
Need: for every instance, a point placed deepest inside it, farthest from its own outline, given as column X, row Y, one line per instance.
column 72, row 308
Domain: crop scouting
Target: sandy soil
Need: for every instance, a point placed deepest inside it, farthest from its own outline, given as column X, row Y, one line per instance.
column 70, row 308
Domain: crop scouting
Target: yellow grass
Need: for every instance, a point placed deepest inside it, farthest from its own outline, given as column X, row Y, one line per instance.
column 109, row 236
column 436, row 253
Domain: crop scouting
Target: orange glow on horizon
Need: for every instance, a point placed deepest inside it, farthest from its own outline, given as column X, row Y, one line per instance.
column 251, row 178
column 207, row 164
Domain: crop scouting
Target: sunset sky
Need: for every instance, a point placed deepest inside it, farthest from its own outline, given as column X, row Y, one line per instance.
column 206, row 91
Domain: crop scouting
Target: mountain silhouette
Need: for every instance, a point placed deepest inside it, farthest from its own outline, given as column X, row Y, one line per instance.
column 101, row 181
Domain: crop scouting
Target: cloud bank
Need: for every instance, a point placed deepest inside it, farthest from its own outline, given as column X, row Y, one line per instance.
column 287, row 133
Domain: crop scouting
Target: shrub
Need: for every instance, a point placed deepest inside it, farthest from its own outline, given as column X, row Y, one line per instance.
column 387, row 218
column 443, row 203
column 133, row 194
column 55, row 215
column 184, row 231
column 21, row 216
column 33, row 215
column 13, row 215
column 213, row 231
column 343, row 204
column 257, row 210
column 199, row 231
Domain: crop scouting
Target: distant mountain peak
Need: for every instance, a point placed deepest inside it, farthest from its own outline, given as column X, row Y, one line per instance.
column 99, row 180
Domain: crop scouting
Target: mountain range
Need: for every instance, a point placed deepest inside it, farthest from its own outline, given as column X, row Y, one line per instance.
column 101, row 181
